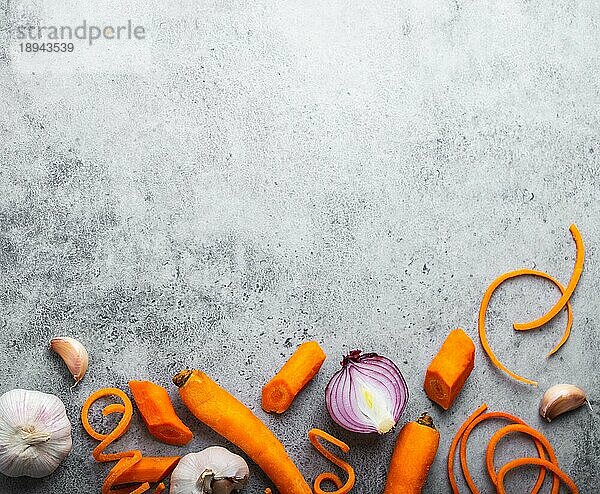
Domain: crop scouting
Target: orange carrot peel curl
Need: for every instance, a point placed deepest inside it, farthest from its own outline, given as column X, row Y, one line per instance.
column 566, row 294
column 302, row 366
column 454, row 444
column 519, row 462
column 342, row 488
column 463, row 448
column 483, row 309
column 538, row 437
column 125, row 470
column 541, row 443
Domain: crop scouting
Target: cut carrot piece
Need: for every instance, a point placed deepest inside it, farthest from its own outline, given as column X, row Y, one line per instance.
column 158, row 413
column 454, row 444
column 568, row 292
column 227, row 416
column 463, row 448
column 413, row 455
column 519, row 462
column 524, row 429
column 313, row 436
column 450, row 368
column 149, row 469
column 483, row 309
column 303, row 365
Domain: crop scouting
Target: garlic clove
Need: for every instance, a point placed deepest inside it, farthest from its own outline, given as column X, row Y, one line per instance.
column 73, row 353
column 559, row 399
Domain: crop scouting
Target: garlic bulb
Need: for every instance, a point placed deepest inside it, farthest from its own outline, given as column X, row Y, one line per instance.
column 73, row 354
column 35, row 433
column 214, row 470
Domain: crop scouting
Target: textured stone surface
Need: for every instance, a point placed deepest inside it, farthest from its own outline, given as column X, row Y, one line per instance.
column 349, row 172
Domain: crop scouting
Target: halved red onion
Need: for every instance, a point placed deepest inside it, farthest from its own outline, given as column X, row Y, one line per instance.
column 368, row 394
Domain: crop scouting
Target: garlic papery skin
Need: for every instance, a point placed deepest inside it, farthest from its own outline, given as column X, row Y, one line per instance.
column 35, row 433
column 559, row 399
column 73, row 353
column 214, row 470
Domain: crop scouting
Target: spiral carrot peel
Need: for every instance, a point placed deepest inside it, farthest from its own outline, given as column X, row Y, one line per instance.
column 566, row 295
column 546, row 454
column 126, row 460
column 519, row 462
column 538, row 438
column 467, row 433
column 564, row 301
column 483, row 309
column 342, row 488
column 454, row 444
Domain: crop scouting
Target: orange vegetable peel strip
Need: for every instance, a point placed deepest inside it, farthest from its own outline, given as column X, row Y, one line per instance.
column 117, row 432
column 125, row 459
column 313, row 436
column 454, row 444
column 160, row 488
column 463, row 448
column 113, row 408
column 483, row 309
column 568, row 292
column 519, row 462
column 524, row 429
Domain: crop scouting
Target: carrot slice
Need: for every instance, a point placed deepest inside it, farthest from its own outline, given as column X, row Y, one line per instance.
column 483, row 309
column 519, row 462
column 158, row 413
column 568, row 292
column 303, row 365
column 313, row 436
column 454, row 444
column 524, row 429
column 463, row 448
column 450, row 368
column 149, row 469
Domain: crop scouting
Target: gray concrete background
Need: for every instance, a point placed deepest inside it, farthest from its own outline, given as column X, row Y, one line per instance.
column 259, row 174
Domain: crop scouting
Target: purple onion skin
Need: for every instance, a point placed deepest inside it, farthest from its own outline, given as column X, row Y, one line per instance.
column 379, row 372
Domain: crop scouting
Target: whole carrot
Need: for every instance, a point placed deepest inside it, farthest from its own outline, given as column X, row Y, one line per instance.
column 226, row 415
column 279, row 392
column 413, row 456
